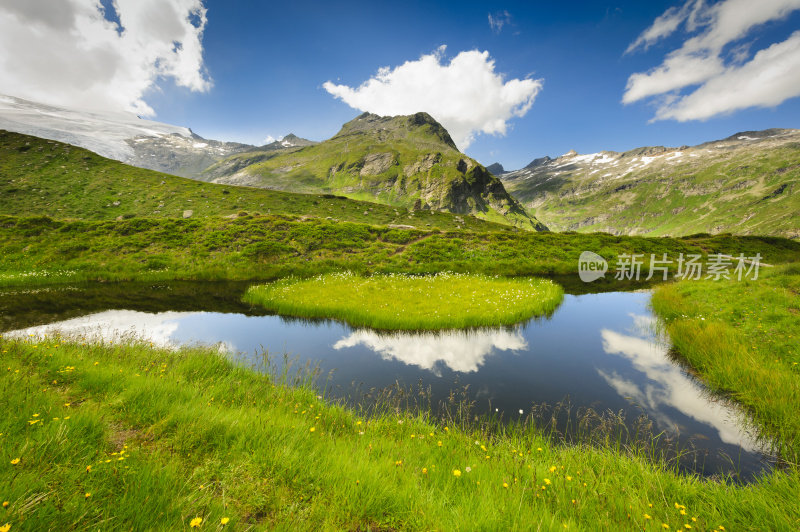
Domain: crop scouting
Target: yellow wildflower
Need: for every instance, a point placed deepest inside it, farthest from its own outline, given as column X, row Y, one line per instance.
column 88, row 468
column 87, row 495
column 15, row 461
column 195, row 523
column 424, row 470
column 456, row 473
column 553, row 469
column 5, row 528
column 312, row 429
column 547, row 481
column 505, row 484
column 5, row 504
column 646, row 516
column 439, row 444
column 224, row 521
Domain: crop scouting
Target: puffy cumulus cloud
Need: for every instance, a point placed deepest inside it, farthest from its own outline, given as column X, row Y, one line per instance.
column 74, row 53
column 466, row 95
column 713, row 72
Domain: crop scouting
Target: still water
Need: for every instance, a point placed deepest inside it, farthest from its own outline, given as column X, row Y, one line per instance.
column 597, row 351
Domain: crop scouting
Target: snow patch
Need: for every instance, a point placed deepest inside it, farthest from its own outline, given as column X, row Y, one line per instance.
column 105, row 133
column 604, row 159
column 745, row 137
column 199, row 145
column 585, row 158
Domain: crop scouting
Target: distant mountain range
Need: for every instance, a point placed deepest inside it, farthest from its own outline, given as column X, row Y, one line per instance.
column 407, row 161
column 748, row 183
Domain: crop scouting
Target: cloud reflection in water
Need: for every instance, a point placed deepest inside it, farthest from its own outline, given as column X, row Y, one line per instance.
column 668, row 387
column 461, row 351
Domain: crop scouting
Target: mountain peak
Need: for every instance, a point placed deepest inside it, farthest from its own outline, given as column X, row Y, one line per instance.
column 401, row 126
column 407, row 161
column 496, row 168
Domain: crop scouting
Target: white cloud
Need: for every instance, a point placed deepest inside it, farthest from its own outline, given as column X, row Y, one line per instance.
column 69, row 53
column 466, row 95
column 498, row 20
column 666, row 24
column 714, row 65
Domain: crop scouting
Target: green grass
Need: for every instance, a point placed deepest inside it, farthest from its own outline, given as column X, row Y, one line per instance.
column 743, row 338
column 271, row 247
column 41, row 177
column 400, row 301
column 172, row 436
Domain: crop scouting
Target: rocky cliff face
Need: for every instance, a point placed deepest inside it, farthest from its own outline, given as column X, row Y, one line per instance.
column 748, row 183
column 408, row 161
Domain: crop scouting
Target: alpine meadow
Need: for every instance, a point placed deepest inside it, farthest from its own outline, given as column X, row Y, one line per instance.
column 516, row 267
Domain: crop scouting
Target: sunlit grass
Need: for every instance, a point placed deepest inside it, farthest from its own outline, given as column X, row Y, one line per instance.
column 743, row 337
column 397, row 301
column 159, row 439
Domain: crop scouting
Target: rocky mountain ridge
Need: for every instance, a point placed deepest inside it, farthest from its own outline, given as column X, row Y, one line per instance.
column 746, row 183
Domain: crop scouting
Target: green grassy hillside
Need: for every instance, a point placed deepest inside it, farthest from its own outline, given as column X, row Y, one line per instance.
column 406, row 161
column 746, row 184
column 48, row 178
column 268, row 247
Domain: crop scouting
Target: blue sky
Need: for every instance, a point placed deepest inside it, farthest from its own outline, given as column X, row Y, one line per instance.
column 268, row 62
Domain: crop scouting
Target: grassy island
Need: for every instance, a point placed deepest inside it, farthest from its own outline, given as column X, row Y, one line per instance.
column 441, row 301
